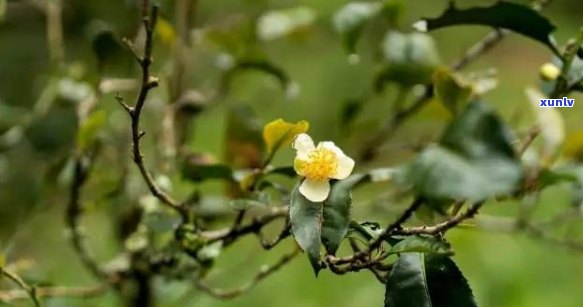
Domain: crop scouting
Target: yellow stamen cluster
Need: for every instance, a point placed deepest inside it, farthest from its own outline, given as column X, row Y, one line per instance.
column 320, row 165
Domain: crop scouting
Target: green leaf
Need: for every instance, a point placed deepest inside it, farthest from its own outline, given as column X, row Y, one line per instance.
column 505, row 15
column 287, row 171
column 276, row 24
column 411, row 59
column 422, row 244
column 350, row 20
column 260, row 65
column 198, row 168
column 245, row 203
column 306, row 224
column 89, row 129
column 450, row 90
column 337, row 213
column 474, row 161
column 420, row 280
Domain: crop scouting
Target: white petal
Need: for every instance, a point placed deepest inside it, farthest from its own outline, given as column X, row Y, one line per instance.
column 315, row 191
column 303, row 144
column 345, row 163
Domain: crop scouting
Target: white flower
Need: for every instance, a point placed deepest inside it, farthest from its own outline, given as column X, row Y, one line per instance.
column 319, row 164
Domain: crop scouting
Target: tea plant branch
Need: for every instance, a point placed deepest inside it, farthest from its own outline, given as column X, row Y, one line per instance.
column 229, row 235
column 10, row 296
column 398, row 118
column 263, row 273
column 30, row 291
column 73, row 214
column 148, row 82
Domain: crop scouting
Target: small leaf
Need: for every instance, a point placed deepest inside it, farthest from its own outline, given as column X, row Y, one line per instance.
column 366, row 230
column 260, row 65
column 550, row 122
column 280, row 133
column 337, row 213
column 411, row 59
column 420, row 280
column 199, row 167
column 351, row 19
column 422, row 244
column 306, row 225
column 450, row 90
column 89, row 129
column 276, row 24
column 504, row 15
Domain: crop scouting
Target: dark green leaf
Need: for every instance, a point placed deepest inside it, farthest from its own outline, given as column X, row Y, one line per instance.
column 479, row 133
column 474, row 161
column 505, row 15
column 287, row 171
column 263, row 66
column 201, row 172
column 350, row 111
column 337, row 213
column 422, row 244
column 420, row 280
column 306, row 224
column 365, row 230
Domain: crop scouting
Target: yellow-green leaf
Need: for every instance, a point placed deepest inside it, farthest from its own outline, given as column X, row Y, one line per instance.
column 574, row 145
column 165, row 31
column 89, row 129
column 281, row 133
column 451, row 90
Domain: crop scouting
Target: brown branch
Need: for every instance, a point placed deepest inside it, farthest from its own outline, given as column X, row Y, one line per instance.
column 148, row 82
column 228, row 235
column 441, row 227
column 263, row 273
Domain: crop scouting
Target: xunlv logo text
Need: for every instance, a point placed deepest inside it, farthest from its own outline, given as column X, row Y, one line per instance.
column 557, row 103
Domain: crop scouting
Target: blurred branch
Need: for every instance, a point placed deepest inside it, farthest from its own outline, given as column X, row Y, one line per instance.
column 73, row 214
column 27, row 290
column 263, row 273
column 9, row 296
column 55, row 31
column 562, row 85
column 389, row 128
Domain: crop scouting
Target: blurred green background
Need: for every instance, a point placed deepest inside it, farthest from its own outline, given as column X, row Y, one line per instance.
column 504, row 269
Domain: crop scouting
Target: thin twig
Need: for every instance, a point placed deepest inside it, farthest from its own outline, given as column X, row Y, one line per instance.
column 148, row 82
column 9, row 296
column 28, row 290
column 263, row 273
column 441, row 227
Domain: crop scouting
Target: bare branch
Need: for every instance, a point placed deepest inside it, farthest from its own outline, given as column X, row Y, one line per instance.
column 263, row 273
column 28, row 290
column 10, row 296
